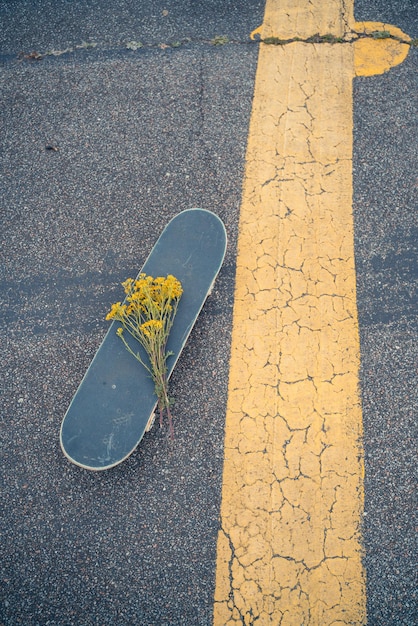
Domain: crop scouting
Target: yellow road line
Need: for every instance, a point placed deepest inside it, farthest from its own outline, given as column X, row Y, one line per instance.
column 289, row 548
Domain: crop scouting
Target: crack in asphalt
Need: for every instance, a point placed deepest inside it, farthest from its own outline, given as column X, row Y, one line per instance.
column 135, row 46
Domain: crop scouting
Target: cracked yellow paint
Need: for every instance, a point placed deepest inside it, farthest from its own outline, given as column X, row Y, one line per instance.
column 298, row 18
column 289, row 546
column 376, row 56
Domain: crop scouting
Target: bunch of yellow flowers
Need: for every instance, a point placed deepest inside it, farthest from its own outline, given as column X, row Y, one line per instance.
column 147, row 313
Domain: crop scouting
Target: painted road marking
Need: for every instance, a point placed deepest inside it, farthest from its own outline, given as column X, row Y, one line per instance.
column 289, row 547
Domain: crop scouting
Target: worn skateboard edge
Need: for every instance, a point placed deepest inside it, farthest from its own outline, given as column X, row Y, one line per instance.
column 152, row 415
column 92, row 468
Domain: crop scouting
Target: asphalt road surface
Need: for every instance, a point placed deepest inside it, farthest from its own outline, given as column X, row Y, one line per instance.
column 115, row 117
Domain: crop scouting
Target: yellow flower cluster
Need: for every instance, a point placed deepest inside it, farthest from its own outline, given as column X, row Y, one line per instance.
column 152, row 327
column 147, row 298
column 148, row 314
column 160, row 288
column 117, row 310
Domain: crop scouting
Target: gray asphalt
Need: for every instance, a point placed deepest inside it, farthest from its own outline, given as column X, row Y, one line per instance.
column 386, row 226
column 139, row 136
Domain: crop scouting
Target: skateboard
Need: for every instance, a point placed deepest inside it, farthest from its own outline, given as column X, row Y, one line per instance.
column 115, row 402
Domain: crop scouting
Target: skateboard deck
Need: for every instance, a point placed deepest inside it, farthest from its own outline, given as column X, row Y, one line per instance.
column 115, row 401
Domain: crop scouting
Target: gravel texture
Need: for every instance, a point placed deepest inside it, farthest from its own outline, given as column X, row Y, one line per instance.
column 101, row 146
column 385, row 205
column 58, row 24
column 138, row 137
